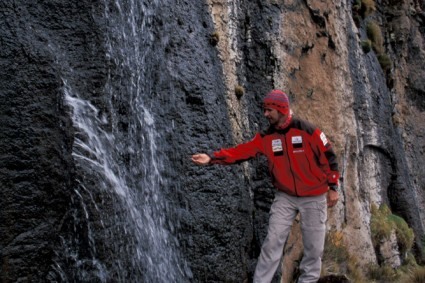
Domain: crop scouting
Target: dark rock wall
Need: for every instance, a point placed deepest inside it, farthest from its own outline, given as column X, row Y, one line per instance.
column 214, row 204
column 36, row 139
column 403, row 23
column 45, row 42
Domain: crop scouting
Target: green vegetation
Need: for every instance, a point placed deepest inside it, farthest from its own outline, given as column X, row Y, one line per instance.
column 364, row 8
column 361, row 10
column 383, row 222
column 404, row 233
column 380, row 226
column 310, row 93
column 374, row 33
column 366, row 45
column 384, row 61
column 214, row 38
column 417, row 276
column 383, row 273
column 408, row 273
column 337, row 259
column 367, row 7
column 357, row 5
column 334, row 248
column 239, row 91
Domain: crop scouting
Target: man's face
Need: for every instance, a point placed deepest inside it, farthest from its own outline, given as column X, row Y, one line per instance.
column 275, row 117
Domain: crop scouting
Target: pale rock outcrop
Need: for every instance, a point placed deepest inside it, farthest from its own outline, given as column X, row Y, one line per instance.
column 388, row 251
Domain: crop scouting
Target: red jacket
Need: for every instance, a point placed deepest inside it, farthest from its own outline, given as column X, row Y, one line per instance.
column 300, row 158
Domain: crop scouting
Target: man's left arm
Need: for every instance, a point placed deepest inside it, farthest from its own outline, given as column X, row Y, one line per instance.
column 330, row 165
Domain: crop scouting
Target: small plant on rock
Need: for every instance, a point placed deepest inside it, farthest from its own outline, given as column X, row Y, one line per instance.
column 383, row 222
column 214, row 38
column 366, row 45
column 367, row 7
column 384, row 61
column 405, row 235
column 379, row 225
column 239, row 91
column 337, row 259
column 383, row 273
column 357, row 5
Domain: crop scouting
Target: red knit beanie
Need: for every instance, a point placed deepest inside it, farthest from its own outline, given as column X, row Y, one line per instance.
column 277, row 99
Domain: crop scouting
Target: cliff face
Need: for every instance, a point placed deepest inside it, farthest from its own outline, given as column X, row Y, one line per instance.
column 313, row 51
column 157, row 80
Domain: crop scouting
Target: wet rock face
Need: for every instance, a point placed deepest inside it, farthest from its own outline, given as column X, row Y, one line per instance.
column 37, row 172
column 44, row 41
column 36, row 137
column 215, row 208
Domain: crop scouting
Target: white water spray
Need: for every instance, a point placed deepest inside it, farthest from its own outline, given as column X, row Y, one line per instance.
column 120, row 165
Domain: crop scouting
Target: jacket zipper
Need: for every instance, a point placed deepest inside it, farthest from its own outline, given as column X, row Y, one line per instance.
column 290, row 165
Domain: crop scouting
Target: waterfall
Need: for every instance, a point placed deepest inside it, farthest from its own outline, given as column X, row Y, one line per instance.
column 122, row 223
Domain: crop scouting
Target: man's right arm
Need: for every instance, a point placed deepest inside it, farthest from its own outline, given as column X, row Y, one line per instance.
column 232, row 155
column 201, row 159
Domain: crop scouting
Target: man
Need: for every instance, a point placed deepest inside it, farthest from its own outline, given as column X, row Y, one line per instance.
column 304, row 169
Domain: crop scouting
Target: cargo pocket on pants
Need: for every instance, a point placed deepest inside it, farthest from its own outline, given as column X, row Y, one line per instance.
column 322, row 207
column 314, row 215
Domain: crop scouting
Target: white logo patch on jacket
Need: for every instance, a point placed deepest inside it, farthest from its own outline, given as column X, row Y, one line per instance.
column 297, row 141
column 277, row 145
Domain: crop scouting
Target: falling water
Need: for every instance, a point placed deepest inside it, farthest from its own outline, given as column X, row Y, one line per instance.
column 121, row 217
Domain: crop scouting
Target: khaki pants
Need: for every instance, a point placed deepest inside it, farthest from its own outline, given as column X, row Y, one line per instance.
column 284, row 209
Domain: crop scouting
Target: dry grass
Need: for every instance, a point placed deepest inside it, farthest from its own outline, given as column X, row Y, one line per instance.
column 417, row 276
column 335, row 249
column 337, row 260
column 383, row 273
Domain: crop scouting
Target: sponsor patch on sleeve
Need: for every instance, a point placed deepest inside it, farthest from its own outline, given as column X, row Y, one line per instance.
column 324, row 139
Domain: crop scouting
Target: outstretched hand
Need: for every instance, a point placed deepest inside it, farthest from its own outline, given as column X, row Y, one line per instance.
column 201, row 159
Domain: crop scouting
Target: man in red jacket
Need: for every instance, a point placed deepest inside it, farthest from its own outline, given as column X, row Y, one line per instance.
column 304, row 170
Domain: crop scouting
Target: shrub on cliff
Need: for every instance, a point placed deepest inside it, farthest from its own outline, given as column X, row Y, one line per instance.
column 239, row 91
column 379, row 225
column 383, row 222
column 374, row 33
column 367, row 7
column 405, row 235
column 364, row 8
column 384, row 61
column 214, row 38
column 366, row 45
